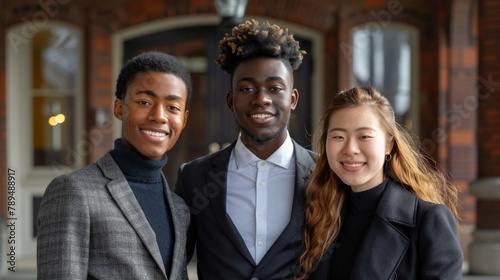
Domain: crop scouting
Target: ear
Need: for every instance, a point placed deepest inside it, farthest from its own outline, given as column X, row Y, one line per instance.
column 186, row 114
column 390, row 144
column 295, row 98
column 118, row 110
column 229, row 100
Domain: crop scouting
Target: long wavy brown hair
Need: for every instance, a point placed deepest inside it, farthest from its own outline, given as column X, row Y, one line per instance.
column 325, row 196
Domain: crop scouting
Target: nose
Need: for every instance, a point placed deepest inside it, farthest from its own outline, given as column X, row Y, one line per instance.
column 351, row 147
column 158, row 114
column 261, row 98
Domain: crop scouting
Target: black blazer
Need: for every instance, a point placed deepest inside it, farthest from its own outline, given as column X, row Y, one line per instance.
column 407, row 239
column 221, row 251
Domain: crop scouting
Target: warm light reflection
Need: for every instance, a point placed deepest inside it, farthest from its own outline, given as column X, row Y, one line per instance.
column 52, row 121
column 58, row 119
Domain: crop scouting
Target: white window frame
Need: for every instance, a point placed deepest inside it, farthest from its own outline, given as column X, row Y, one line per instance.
column 32, row 180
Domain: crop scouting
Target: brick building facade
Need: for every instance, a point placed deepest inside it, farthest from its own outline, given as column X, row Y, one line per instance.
column 457, row 80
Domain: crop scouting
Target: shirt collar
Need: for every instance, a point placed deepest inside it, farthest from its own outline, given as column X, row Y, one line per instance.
column 281, row 157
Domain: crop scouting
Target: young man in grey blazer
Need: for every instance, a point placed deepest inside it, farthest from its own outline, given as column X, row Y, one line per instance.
column 247, row 200
column 117, row 218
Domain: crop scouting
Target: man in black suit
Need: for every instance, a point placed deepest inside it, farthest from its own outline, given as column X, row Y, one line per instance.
column 246, row 200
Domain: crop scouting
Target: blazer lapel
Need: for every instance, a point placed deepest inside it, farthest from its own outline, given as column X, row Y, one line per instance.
column 121, row 192
column 384, row 245
column 217, row 178
column 303, row 168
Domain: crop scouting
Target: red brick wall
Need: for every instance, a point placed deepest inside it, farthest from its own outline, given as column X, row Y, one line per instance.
column 489, row 90
column 460, row 116
column 463, row 73
column 100, row 80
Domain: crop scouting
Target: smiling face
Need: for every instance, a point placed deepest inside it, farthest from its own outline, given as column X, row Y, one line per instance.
column 356, row 146
column 153, row 113
column 261, row 101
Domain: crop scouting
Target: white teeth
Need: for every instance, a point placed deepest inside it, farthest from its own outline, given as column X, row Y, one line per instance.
column 154, row 133
column 261, row 116
column 353, row 164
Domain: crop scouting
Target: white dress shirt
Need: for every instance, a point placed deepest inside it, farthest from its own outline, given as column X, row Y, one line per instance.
column 260, row 195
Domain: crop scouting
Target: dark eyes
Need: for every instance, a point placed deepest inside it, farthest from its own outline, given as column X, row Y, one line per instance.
column 174, row 108
column 143, row 102
column 146, row 103
column 252, row 89
column 246, row 89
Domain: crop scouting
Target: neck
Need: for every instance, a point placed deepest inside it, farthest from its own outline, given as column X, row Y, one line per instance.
column 134, row 164
column 263, row 149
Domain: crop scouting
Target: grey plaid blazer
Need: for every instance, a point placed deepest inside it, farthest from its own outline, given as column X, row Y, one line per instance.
column 90, row 226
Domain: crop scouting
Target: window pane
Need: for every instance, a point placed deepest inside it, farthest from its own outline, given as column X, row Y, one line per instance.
column 382, row 58
column 54, row 66
column 55, row 59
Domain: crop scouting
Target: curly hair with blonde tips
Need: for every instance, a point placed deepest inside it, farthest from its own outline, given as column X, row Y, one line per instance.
column 253, row 39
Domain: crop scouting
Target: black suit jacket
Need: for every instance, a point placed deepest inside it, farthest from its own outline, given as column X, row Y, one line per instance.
column 221, row 251
column 407, row 239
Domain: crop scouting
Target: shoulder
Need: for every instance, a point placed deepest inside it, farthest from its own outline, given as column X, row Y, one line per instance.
column 78, row 177
column 406, row 206
column 201, row 161
column 305, row 156
column 302, row 150
column 313, row 155
column 431, row 213
column 204, row 163
column 89, row 177
column 69, row 194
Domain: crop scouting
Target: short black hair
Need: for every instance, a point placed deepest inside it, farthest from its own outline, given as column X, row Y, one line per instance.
column 252, row 39
column 152, row 61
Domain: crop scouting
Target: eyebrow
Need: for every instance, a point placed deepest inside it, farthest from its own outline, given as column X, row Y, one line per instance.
column 357, row 129
column 153, row 94
column 268, row 79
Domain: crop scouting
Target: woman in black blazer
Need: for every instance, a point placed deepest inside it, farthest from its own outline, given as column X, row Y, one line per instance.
column 376, row 208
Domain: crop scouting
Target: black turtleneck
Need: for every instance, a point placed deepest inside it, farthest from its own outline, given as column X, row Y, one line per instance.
column 144, row 176
column 360, row 208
